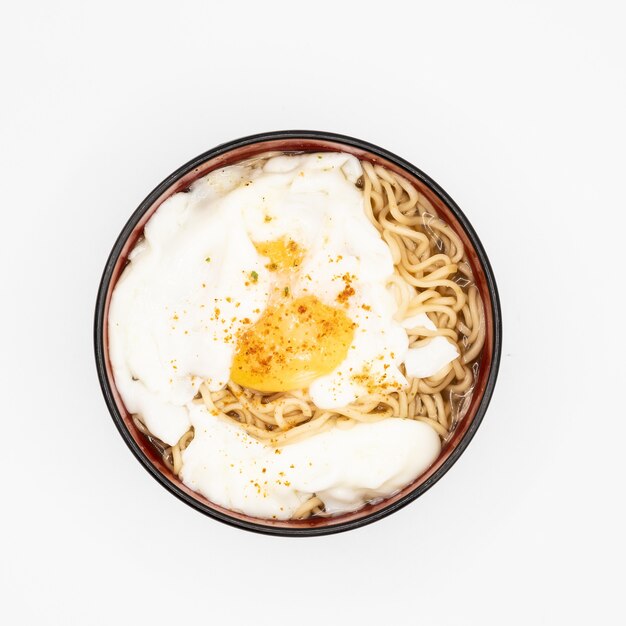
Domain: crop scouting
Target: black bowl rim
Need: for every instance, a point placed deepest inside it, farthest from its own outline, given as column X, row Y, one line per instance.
column 99, row 322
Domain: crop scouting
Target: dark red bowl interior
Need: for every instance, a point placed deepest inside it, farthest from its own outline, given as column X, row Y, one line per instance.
column 308, row 141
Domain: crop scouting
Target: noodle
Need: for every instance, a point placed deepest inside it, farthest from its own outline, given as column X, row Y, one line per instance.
column 308, row 507
column 431, row 276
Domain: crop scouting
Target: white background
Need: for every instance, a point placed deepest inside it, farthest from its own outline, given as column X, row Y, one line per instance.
column 517, row 109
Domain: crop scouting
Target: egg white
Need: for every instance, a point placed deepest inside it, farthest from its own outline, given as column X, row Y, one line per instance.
column 197, row 280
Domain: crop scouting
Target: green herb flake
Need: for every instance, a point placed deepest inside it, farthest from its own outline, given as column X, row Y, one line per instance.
column 208, row 259
column 254, row 276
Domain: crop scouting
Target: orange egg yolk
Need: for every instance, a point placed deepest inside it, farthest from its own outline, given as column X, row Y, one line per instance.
column 292, row 344
column 283, row 254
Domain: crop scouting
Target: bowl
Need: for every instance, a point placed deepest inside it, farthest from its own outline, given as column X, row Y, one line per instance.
column 307, row 141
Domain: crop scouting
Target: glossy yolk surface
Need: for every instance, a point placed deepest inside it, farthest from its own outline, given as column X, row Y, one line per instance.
column 292, row 344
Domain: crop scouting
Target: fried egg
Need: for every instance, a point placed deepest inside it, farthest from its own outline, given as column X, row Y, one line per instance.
column 273, row 278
